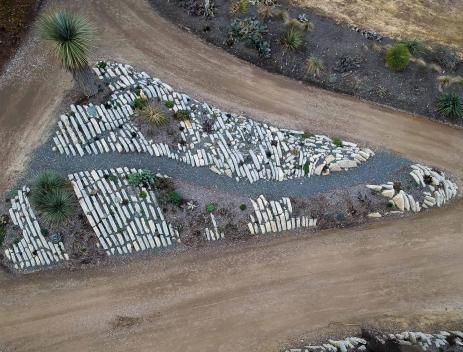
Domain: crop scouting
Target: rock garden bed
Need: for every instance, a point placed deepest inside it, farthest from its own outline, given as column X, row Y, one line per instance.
column 293, row 41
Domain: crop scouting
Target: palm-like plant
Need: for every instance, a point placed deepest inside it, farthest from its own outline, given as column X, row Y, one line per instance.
column 72, row 37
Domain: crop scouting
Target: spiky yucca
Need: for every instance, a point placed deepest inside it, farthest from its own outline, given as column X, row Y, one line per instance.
column 293, row 39
column 72, row 37
column 449, row 105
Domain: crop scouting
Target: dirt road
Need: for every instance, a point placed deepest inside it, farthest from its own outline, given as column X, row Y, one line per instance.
column 248, row 297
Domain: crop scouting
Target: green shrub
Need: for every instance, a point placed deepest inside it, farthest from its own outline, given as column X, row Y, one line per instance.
column 307, row 135
column 210, row 207
column 182, row 115
column 337, row 141
column 143, row 195
column 415, row 47
column 46, row 182
column 449, row 105
column 243, row 207
column 175, row 198
column 169, row 104
column 57, row 206
column 397, row 57
column 306, row 168
column 314, row 66
column 293, row 39
column 113, row 178
column 139, row 103
column 102, row 65
column 251, row 31
column 143, row 178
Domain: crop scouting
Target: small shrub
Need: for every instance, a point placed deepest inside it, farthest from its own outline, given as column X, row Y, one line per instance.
column 143, row 178
column 314, row 66
column 44, row 184
column 164, row 183
column 208, row 125
column 154, row 116
column 169, row 104
column 283, row 15
column 102, row 65
column 443, row 56
column 139, row 103
column 125, row 202
column 397, row 57
column 210, row 207
column 182, row 115
column 143, row 195
column 449, row 105
column 265, row 11
column 175, row 198
column 243, row 207
column 337, row 141
column 447, row 81
column 113, row 178
column 293, row 39
column 251, row 31
column 306, row 168
column 414, row 46
column 240, row 6
column 306, row 135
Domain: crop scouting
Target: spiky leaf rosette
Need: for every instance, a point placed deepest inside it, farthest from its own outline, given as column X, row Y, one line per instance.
column 71, row 35
column 449, row 105
column 57, row 207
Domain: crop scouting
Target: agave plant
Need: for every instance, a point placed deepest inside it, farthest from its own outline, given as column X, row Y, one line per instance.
column 72, row 38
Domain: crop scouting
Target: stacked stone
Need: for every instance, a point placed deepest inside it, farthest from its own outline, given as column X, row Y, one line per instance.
column 33, row 250
column 436, row 190
column 275, row 216
column 435, row 342
column 123, row 220
column 234, row 146
column 214, row 233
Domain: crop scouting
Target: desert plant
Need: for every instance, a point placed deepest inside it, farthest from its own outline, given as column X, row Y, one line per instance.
column 240, row 6
column 44, row 183
column 243, row 207
column 414, row 46
column 252, row 32
column 265, row 11
column 283, row 15
column 175, row 198
column 314, row 66
column 154, row 116
column 306, row 168
column 57, row 206
column 397, row 57
column 102, row 65
column 72, row 37
column 210, row 207
column 169, row 104
column 449, row 105
column 139, row 103
column 337, row 141
column 182, row 115
column 143, row 195
column 143, row 178
column 293, row 39
column 447, row 81
column 443, row 56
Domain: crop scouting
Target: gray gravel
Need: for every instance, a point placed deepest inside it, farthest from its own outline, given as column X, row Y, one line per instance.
column 379, row 169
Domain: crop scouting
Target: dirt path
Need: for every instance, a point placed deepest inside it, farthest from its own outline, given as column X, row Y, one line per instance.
column 249, row 297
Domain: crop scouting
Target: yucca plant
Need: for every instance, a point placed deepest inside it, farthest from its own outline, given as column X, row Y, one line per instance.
column 45, row 183
column 449, row 105
column 58, row 206
column 414, row 46
column 293, row 39
column 314, row 66
column 72, row 38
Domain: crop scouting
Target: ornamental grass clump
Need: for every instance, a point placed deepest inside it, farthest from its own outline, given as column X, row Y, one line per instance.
column 293, row 39
column 397, row 57
column 314, row 66
column 154, row 115
column 449, row 105
column 72, row 37
column 143, row 178
column 51, row 199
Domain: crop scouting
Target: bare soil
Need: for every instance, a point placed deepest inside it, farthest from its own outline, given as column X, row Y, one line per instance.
column 352, row 63
column 429, row 20
column 243, row 297
column 15, row 20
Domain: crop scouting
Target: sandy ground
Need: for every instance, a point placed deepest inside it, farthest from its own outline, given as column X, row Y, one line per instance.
column 429, row 20
column 247, row 297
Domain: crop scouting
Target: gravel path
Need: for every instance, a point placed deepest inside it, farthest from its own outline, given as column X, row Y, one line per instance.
column 378, row 169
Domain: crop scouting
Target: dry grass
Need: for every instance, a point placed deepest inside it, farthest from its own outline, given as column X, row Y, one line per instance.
column 428, row 20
